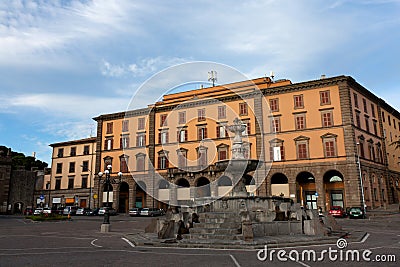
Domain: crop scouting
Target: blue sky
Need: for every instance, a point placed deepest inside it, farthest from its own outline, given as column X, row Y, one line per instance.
column 64, row 62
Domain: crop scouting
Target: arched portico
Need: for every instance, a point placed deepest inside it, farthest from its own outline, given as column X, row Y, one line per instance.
column 306, row 190
column 334, row 189
column 279, row 185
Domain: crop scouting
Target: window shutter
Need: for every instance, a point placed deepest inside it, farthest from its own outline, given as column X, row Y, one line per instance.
column 112, row 143
column 105, row 144
column 205, row 133
column 167, row 137
column 120, row 143
column 159, row 137
column 271, row 153
column 282, row 152
column 218, row 135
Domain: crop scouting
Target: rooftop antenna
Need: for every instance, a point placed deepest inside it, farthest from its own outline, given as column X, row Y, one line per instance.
column 212, row 76
column 271, row 75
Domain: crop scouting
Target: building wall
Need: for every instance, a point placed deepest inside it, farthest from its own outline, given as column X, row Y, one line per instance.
column 78, row 194
column 5, row 175
column 334, row 175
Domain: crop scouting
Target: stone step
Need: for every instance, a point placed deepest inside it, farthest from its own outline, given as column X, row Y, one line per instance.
column 227, row 225
column 217, row 215
column 221, row 220
column 213, row 236
column 216, row 231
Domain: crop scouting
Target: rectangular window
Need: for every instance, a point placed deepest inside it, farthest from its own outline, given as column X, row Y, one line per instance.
column 73, row 152
column 84, row 181
column 72, row 167
column 362, row 152
column 125, row 125
column 366, row 124
column 277, row 153
column 242, row 109
column 383, row 194
column 109, row 128
column 383, row 116
column 60, row 153
column 140, row 140
column 201, row 114
column 300, row 121
column 163, row 137
column 221, row 132
column 108, row 144
column 394, row 123
column 141, row 124
column 248, row 128
column 201, row 133
column 86, row 150
column 327, row 119
column 325, row 98
column 221, row 112
column 124, row 142
column 274, row 105
column 71, row 182
column 222, row 154
column 375, row 194
column 85, row 166
column 302, row 152
column 182, row 135
column 162, row 162
column 373, row 110
column 358, row 120
column 390, row 124
column 375, row 127
column 202, row 157
column 298, row 101
column 59, row 168
column 123, row 164
column 140, row 163
column 330, row 148
column 58, row 184
column 365, row 105
column 182, row 159
column 275, row 125
column 355, row 100
column 163, row 120
column 182, row 117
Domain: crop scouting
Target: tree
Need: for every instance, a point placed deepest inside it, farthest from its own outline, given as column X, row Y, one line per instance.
column 19, row 159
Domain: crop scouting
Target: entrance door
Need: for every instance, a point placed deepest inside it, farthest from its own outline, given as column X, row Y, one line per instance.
column 311, row 200
column 337, row 198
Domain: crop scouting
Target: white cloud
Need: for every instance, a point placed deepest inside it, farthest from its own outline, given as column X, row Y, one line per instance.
column 62, row 105
column 144, row 67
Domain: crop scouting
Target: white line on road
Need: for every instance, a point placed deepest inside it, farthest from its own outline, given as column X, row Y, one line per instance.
column 234, row 260
column 93, row 244
column 129, row 242
column 364, row 238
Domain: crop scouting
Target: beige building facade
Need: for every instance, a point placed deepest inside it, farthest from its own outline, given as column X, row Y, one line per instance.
column 71, row 182
column 322, row 143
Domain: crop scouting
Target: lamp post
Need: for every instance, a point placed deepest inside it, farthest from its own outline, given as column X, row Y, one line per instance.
column 361, row 179
column 105, row 227
column 90, row 186
column 48, row 188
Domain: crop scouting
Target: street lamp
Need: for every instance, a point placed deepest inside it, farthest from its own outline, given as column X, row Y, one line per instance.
column 107, row 182
column 90, row 186
column 361, row 179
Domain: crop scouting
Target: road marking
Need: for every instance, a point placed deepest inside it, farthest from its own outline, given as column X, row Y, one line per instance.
column 234, row 260
column 129, row 242
column 93, row 244
column 365, row 238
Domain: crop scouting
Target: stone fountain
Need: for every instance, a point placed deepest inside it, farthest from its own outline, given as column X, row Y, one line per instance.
column 237, row 217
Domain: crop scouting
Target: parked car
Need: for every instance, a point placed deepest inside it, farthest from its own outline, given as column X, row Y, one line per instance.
column 134, row 212
column 82, row 211
column 150, row 212
column 46, row 211
column 28, row 211
column 70, row 210
column 356, row 212
column 337, row 211
column 38, row 211
column 93, row 212
column 111, row 211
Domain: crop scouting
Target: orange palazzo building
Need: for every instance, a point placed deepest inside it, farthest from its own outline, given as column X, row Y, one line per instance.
column 322, row 143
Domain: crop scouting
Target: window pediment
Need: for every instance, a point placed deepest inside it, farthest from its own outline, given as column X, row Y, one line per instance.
column 301, row 138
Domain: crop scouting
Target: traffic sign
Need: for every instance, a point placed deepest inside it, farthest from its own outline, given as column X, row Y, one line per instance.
column 41, row 197
column 316, row 194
